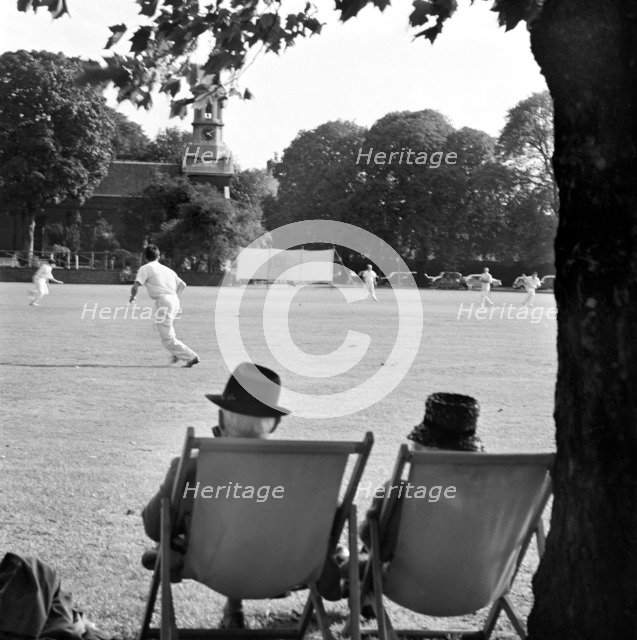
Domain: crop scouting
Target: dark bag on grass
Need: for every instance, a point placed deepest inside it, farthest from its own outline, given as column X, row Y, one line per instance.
column 34, row 606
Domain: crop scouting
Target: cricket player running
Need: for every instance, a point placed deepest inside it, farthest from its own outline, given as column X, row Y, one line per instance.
column 531, row 283
column 487, row 279
column 369, row 278
column 41, row 279
column 164, row 286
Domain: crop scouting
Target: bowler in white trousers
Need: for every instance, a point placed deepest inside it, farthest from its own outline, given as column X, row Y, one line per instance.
column 164, row 286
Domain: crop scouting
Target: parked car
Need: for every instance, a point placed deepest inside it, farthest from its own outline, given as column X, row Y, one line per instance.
column 474, row 282
column 398, row 279
column 547, row 283
column 449, row 280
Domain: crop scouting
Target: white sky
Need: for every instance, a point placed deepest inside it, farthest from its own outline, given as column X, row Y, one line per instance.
column 358, row 71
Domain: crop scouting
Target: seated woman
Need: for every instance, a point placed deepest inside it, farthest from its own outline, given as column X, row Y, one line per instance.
column 449, row 424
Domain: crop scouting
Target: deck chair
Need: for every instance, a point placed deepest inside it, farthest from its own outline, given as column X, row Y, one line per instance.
column 455, row 555
column 248, row 549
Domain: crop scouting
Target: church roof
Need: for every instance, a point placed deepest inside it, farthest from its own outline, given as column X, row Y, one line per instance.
column 128, row 178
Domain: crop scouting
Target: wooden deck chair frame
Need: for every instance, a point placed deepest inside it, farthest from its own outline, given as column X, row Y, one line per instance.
column 345, row 514
column 371, row 587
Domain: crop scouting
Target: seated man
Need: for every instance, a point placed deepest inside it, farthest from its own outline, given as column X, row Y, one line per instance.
column 241, row 415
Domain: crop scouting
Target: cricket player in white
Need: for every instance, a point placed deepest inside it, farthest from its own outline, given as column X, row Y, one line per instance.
column 487, row 279
column 41, row 280
column 369, row 278
column 531, row 283
column 164, row 286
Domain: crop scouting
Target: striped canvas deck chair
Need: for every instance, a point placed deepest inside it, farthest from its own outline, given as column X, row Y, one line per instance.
column 257, row 547
column 459, row 545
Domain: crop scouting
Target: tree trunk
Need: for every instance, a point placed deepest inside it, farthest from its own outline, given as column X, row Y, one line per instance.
column 29, row 233
column 586, row 586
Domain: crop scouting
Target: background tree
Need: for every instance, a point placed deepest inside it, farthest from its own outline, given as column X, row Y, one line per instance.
column 458, row 229
column 55, row 136
column 209, row 227
column 252, row 187
column 317, row 175
column 129, row 140
column 191, row 219
column 158, row 203
column 392, row 199
column 74, row 232
column 55, row 233
column 168, row 145
column 527, row 142
column 102, row 235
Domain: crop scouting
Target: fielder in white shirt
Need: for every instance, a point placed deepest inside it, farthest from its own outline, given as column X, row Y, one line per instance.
column 487, row 279
column 531, row 283
column 41, row 280
column 164, row 286
column 369, row 278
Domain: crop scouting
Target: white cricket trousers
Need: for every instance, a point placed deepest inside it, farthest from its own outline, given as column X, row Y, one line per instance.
column 530, row 296
column 484, row 298
column 371, row 290
column 166, row 308
column 41, row 291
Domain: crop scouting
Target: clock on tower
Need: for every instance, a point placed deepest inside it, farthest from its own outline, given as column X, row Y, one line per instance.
column 208, row 159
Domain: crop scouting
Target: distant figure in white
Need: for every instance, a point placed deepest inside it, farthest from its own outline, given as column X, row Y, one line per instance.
column 369, row 278
column 531, row 283
column 487, row 279
column 41, row 280
column 164, row 286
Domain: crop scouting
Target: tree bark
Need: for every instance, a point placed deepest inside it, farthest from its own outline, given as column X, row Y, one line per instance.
column 29, row 233
column 586, row 585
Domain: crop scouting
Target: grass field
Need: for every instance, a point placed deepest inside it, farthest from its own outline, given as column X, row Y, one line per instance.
column 93, row 414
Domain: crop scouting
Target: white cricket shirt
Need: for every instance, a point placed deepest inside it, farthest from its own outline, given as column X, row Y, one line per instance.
column 158, row 279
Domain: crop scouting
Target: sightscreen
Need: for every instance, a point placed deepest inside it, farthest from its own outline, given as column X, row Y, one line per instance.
column 297, row 265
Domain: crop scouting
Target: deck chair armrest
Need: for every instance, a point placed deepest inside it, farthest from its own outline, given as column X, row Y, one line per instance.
column 373, row 513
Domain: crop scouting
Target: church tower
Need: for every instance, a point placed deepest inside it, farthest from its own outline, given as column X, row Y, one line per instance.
column 208, row 159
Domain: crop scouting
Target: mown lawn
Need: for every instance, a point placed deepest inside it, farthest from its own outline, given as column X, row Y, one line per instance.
column 93, row 414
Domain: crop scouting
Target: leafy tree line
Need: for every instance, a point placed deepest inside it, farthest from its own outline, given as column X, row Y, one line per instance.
column 494, row 200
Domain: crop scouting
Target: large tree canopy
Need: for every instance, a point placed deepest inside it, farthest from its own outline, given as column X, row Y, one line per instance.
column 168, row 145
column 55, row 136
column 317, row 174
column 190, row 219
column 527, row 141
column 128, row 139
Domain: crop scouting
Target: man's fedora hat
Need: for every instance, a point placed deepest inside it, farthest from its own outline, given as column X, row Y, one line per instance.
column 450, row 422
column 251, row 390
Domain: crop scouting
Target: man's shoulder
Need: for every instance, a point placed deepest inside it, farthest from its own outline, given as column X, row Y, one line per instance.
column 144, row 268
column 164, row 269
